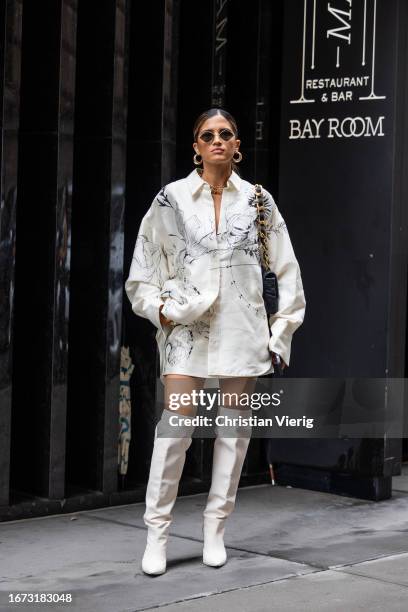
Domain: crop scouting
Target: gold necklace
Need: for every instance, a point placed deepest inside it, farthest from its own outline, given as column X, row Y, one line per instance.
column 215, row 189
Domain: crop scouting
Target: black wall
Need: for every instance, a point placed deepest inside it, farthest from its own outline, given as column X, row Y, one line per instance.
column 344, row 190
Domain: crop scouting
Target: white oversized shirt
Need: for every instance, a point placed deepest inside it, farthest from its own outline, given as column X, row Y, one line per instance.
column 177, row 249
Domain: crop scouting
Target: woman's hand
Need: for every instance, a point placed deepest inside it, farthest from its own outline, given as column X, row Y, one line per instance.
column 275, row 360
column 164, row 320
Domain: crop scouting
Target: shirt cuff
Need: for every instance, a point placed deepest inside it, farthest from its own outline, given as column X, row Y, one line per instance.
column 281, row 339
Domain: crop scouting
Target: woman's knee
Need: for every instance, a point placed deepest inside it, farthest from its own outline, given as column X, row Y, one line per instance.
column 178, row 393
column 236, row 392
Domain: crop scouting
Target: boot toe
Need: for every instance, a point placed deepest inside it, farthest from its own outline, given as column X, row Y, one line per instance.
column 154, row 562
column 214, row 558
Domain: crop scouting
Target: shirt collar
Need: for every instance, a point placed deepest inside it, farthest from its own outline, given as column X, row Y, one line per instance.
column 196, row 182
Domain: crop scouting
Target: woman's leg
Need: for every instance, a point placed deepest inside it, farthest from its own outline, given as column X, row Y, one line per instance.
column 168, row 458
column 230, row 448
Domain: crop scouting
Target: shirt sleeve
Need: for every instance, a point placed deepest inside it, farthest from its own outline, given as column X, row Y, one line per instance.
column 149, row 267
column 292, row 303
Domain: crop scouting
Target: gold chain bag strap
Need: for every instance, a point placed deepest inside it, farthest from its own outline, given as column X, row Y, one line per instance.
column 269, row 279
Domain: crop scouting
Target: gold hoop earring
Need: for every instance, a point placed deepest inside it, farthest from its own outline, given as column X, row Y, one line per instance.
column 197, row 163
column 237, row 160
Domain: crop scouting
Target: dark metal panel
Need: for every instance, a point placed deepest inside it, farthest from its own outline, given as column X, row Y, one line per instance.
column 170, row 87
column 219, row 52
column 196, row 45
column 152, row 151
column 10, row 54
column 42, row 248
column 397, row 315
column 254, row 59
column 339, row 207
column 343, row 196
column 397, row 348
column 97, row 246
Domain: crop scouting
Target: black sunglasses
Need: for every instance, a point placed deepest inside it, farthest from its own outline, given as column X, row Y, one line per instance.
column 208, row 135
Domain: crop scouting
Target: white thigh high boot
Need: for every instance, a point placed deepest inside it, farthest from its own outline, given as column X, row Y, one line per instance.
column 228, row 458
column 166, row 467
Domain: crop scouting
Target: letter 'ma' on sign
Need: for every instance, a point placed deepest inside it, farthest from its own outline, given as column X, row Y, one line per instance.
column 340, row 15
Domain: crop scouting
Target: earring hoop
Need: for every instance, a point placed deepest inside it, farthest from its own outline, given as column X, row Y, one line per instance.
column 197, row 163
column 238, row 159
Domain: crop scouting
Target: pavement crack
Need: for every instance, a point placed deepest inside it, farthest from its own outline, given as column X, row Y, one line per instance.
column 372, row 578
column 227, row 590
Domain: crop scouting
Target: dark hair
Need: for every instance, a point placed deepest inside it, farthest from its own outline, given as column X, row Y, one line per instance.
column 212, row 112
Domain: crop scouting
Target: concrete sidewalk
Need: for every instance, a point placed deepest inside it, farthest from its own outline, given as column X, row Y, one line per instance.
column 289, row 549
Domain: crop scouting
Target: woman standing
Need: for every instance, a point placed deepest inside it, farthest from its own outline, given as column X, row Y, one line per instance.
column 196, row 275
